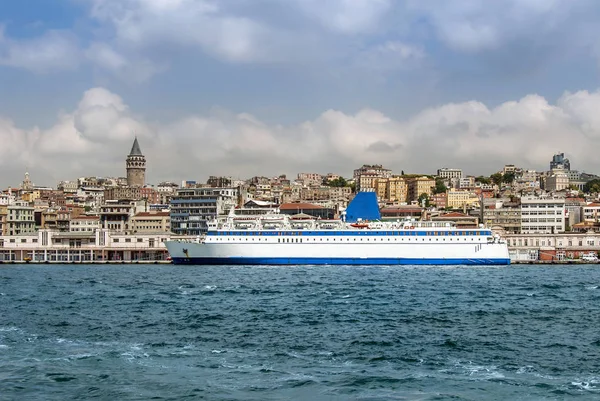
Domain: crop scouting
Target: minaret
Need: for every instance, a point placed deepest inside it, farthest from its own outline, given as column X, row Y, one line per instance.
column 136, row 166
column 27, row 185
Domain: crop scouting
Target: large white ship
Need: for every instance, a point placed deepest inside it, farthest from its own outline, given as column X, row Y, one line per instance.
column 277, row 239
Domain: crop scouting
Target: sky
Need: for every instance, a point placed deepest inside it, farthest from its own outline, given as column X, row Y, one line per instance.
column 268, row 87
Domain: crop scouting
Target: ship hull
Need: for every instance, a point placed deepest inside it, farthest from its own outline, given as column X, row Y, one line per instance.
column 335, row 261
column 338, row 254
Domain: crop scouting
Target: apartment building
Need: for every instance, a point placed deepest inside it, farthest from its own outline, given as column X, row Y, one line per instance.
column 310, row 178
column 20, row 219
column 84, row 224
column 56, row 219
column 115, row 215
column 506, row 216
column 418, row 186
column 391, row 190
column 457, row 199
column 151, row 222
column 192, row 208
column 449, row 173
column 591, row 212
column 365, row 176
column 558, row 180
column 542, row 215
column 3, row 214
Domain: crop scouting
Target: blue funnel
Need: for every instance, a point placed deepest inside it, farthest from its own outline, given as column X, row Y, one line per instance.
column 363, row 206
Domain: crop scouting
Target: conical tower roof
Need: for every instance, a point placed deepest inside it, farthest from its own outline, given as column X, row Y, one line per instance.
column 135, row 149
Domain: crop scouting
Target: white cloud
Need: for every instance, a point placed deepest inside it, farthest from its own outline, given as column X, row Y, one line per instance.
column 346, row 16
column 141, row 24
column 130, row 68
column 53, row 51
column 96, row 136
column 479, row 24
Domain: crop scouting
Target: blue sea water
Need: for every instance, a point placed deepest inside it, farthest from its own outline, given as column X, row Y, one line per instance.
column 163, row 332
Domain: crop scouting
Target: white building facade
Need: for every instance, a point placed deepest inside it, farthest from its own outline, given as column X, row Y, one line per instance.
column 542, row 215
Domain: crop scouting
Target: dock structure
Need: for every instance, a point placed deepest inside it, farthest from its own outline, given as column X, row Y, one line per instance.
column 558, row 248
column 101, row 246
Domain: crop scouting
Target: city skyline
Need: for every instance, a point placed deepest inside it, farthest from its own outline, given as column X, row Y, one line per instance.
column 240, row 89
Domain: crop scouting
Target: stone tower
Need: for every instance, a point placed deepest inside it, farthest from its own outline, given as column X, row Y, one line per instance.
column 136, row 166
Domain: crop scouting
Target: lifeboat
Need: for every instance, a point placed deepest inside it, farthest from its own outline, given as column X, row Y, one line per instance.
column 360, row 225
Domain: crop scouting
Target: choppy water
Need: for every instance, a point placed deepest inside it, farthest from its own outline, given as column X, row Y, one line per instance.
column 314, row 333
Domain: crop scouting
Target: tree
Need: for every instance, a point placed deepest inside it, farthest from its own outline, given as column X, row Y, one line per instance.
column 483, row 180
column 440, row 188
column 402, row 173
column 592, row 186
column 508, row 178
column 496, row 178
column 338, row 183
column 424, row 198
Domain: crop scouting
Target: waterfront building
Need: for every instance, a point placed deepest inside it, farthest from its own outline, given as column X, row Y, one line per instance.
column 136, row 166
column 150, row 222
column 505, row 216
column 552, row 247
column 192, row 208
column 449, row 173
column 98, row 246
column 542, row 215
column 87, row 224
column 3, row 214
column 20, row 218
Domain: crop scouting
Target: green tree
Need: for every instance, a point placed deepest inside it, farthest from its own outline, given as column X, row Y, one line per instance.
column 483, row 180
column 508, row 178
column 338, row 182
column 496, row 178
column 592, row 186
column 424, row 198
column 440, row 188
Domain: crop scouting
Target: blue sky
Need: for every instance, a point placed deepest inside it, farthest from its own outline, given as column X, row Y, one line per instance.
column 323, row 86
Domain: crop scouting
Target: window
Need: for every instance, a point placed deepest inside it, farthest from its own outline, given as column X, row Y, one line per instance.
column 127, row 239
column 116, row 240
column 140, row 240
